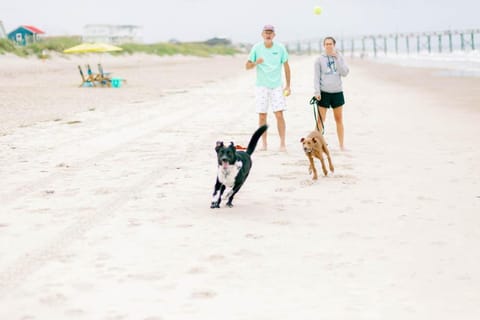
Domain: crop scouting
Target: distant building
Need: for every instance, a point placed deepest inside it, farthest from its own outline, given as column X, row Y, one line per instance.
column 114, row 34
column 24, row 35
column 3, row 34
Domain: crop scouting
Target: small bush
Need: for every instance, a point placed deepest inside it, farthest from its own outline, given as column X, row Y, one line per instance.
column 6, row 46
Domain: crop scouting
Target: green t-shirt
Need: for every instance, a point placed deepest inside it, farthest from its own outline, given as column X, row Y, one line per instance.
column 269, row 73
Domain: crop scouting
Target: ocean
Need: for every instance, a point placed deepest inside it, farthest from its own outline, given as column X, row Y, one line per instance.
column 456, row 63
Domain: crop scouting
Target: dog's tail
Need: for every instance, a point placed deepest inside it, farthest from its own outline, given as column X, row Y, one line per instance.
column 256, row 136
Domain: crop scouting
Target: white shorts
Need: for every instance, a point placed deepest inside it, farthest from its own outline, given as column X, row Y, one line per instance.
column 267, row 96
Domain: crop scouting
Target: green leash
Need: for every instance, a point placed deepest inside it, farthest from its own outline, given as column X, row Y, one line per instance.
column 314, row 102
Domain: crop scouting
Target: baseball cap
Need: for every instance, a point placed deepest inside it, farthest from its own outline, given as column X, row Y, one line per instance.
column 268, row 27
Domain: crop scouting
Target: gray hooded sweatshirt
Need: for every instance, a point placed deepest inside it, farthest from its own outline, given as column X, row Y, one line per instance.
column 328, row 73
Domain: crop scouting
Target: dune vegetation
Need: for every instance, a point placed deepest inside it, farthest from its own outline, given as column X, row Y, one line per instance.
column 45, row 47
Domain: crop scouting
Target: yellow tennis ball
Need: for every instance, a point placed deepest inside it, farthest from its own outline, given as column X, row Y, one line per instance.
column 317, row 10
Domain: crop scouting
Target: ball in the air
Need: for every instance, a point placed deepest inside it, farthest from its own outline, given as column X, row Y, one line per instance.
column 317, row 10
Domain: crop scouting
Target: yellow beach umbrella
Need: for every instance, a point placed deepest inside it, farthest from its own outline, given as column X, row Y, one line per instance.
column 105, row 47
column 92, row 47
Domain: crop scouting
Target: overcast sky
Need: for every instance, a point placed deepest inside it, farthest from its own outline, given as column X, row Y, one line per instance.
column 241, row 21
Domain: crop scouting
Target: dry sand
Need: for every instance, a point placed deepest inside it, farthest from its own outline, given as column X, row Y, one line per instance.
column 33, row 91
column 105, row 196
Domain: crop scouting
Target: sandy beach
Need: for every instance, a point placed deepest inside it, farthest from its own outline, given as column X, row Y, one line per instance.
column 34, row 91
column 105, row 196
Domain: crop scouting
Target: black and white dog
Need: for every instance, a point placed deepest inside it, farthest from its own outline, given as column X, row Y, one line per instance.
column 233, row 168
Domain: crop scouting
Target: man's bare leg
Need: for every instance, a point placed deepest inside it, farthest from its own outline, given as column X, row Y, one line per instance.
column 262, row 119
column 281, row 129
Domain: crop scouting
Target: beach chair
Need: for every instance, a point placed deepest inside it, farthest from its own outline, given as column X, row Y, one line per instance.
column 86, row 81
column 91, row 77
column 104, row 77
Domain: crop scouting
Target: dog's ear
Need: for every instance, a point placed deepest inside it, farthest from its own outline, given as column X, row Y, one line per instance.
column 303, row 139
column 218, row 145
column 232, row 146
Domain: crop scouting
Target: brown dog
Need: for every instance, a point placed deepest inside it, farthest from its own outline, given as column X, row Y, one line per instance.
column 315, row 145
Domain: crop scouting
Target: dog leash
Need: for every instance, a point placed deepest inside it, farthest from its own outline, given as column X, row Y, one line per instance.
column 314, row 103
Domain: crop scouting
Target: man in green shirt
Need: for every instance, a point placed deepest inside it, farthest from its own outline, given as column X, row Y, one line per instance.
column 268, row 57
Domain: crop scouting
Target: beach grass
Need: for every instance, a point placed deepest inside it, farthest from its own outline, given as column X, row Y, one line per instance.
column 45, row 47
column 189, row 48
column 52, row 44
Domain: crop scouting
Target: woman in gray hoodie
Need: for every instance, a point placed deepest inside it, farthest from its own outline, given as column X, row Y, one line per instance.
column 329, row 70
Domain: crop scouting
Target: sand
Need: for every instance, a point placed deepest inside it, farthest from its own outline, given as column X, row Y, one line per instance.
column 105, row 196
column 34, row 91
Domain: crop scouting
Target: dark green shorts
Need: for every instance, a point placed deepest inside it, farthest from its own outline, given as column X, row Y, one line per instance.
column 331, row 100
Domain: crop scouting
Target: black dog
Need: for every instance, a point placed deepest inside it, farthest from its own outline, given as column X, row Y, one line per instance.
column 233, row 168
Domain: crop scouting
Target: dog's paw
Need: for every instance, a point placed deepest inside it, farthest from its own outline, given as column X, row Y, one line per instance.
column 229, row 204
column 215, row 205
column 239, row 164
